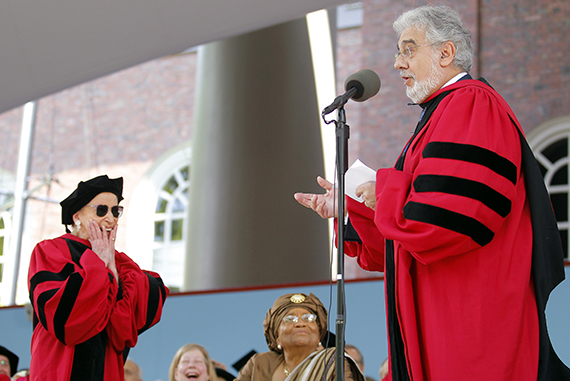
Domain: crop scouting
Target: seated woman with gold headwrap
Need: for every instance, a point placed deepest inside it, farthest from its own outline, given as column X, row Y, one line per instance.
column 293, row 328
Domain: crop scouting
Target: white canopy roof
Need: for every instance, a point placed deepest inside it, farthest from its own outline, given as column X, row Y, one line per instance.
column 48, row 46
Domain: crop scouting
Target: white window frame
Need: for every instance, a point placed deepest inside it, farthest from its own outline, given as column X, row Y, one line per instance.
column 142, row 215
column 539, row 139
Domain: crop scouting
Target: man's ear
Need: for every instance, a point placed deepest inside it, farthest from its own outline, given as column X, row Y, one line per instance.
column 447, row 55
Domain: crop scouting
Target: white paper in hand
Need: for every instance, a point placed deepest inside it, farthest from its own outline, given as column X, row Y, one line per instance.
column 357, row 174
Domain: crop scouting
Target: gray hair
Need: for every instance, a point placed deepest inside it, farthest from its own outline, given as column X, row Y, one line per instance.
column 440, row 24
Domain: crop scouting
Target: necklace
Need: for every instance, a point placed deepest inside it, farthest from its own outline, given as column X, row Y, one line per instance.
column 285, row 370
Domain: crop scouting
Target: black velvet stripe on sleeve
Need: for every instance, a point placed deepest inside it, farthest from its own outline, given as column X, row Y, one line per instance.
column 76, row 250
column 42, row 300
column 472, row 154
column 49, row 276
column 66, row 304
column 450, row 220
column 154, row 292
column 466, row 188
column 350, row 233
column 162, row 289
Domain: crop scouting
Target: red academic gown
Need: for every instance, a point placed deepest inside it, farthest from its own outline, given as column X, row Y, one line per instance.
column 459, row 219
column 84, row 321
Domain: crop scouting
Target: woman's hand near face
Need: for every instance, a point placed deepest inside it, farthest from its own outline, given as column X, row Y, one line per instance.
column 103, row 244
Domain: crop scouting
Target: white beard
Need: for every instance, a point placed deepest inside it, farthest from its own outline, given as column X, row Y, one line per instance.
column 421, row 90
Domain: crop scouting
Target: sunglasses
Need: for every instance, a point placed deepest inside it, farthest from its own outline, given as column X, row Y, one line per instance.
column 102, row 210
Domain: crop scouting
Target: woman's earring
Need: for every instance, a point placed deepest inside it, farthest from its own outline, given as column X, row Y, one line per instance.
column 279, row 346
column 77, row 224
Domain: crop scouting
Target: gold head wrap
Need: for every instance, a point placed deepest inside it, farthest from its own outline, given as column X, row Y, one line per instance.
column 281, row 307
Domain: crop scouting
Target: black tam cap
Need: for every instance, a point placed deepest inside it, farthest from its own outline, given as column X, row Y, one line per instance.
column 12, row 358
column 241, row 362
column 224, row 375
column 85, row 192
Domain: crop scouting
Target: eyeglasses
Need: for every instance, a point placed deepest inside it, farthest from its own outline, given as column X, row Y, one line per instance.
column 4, row 363
column 103, row 209
column 407, row 51
column 190, row 361
column 307, row 318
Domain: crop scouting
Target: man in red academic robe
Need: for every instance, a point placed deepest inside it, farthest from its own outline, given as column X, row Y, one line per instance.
column 453, row 224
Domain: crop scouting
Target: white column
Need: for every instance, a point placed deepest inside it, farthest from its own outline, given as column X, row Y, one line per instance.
column 12, row 263
column 257, row 141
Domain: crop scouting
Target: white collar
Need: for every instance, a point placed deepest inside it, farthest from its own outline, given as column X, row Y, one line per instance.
column 455, row 79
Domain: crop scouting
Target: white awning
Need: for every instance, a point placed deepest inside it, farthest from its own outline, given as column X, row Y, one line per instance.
column 48, row 46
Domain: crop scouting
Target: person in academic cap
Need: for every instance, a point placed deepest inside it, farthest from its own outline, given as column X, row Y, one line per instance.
column 223, row 374
column 294, row 330
column 8, row 362
column 90, row 301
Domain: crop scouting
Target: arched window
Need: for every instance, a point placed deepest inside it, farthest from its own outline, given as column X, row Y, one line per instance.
column 158, row 214
column 171, row 207
column 170, row 218
column 550, row 143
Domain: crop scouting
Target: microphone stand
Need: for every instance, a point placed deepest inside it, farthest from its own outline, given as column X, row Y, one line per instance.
column 355, row 86
column 342, row 136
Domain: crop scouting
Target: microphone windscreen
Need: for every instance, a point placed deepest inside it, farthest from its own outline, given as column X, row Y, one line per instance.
column 366, row 82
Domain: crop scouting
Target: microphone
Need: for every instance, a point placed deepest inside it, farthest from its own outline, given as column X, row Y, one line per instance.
column 360, row 86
